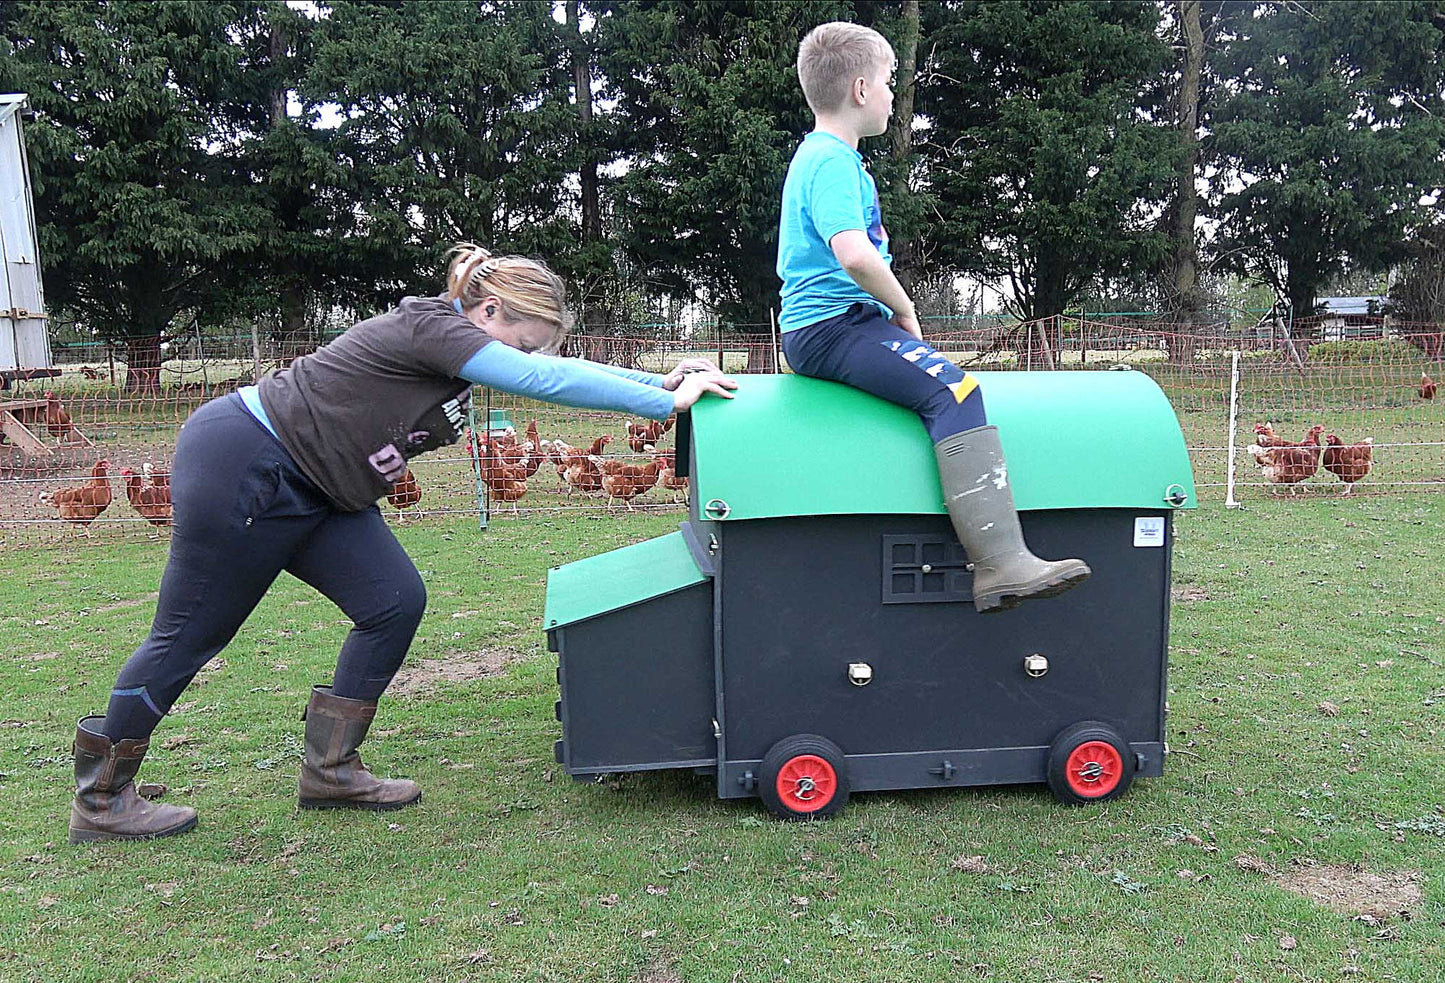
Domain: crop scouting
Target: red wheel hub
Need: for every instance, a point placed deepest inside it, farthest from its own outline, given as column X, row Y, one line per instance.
column 1094, row 769
column 806, row 783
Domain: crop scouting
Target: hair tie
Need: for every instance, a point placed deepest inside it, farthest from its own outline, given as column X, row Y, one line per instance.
column 489, row 266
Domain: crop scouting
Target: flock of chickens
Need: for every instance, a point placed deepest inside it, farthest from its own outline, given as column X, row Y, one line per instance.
column 1288, row 462
column 149, row 494
column 506, row 464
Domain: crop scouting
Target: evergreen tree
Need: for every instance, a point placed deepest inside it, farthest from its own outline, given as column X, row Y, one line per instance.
column 1326, row 124
column 306, row 256
column 139, row 193
column 456, row 126
column 1046, row 168
column 710, row 113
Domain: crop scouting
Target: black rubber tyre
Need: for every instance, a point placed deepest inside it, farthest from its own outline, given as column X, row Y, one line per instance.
column 804, row 777
column 1090, row 762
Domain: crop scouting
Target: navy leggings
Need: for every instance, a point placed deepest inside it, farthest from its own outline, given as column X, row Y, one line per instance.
column 864, row 349
column 243, row 513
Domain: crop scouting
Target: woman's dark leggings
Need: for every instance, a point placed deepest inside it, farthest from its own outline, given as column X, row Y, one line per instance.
column 864, row 349
column 243, row 513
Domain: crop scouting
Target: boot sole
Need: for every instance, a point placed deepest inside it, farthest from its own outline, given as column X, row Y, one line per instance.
column 97, row 836
column 1010, row 598
column 353, row 804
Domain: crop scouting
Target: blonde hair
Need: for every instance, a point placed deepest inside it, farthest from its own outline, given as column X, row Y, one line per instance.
column 527, row 288
column 832, row 56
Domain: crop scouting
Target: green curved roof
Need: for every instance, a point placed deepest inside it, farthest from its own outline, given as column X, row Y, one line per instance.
column 790, row 446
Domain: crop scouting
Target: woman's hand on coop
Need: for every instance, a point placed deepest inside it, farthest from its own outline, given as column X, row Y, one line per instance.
column 694, row 384
column 686, row 367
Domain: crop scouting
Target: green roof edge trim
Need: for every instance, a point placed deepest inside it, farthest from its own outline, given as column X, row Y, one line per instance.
column 618, row 579
column 788, row 445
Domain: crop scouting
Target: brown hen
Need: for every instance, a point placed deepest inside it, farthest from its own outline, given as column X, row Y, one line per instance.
column 82, row 503
column 1348, row 462
column 151, row 500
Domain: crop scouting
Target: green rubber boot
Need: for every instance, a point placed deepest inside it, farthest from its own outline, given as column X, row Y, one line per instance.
column 974, row 475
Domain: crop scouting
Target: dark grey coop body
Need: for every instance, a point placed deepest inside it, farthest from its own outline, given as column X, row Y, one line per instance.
column 828, row 604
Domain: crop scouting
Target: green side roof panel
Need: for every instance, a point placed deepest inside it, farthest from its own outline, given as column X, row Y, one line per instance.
column 619, row 579
column 793, row 446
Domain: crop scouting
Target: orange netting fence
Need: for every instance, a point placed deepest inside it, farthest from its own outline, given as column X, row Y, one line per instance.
column 1364, row 379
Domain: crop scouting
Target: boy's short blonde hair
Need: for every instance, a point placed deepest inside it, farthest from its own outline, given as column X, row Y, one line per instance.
column 832, row 56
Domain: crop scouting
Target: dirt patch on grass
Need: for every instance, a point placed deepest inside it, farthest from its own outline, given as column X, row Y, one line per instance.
column 461, row 668
column 1189, row 594
column 1356, row 891
column 658, row 971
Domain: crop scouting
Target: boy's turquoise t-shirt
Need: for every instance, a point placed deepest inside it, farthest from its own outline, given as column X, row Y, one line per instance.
column 827, row 191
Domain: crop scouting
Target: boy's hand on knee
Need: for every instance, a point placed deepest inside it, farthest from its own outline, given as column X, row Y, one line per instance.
column 908, row 321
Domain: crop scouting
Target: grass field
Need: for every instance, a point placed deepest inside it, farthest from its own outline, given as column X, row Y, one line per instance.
column 1307, row 710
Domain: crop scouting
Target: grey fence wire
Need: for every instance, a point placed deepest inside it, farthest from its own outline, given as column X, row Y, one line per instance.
column 1365, row 379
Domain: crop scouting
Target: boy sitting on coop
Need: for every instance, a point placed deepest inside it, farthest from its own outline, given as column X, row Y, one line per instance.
column 845, row 317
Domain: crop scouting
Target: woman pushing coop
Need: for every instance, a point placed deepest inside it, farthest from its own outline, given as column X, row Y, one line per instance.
column 285, row 475
column 845, row 317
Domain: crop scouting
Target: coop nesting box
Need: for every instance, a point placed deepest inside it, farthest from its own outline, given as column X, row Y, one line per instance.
column 809, row 631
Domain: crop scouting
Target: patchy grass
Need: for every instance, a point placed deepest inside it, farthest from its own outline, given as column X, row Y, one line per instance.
column 510, row 871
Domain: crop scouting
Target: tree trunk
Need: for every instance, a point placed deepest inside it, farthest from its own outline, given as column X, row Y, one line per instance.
column 294, row 340
column 1186, row 272
column 1301, row 306
column 582, row 81
column 900, row 136
column 588, row 176
column 143, row 365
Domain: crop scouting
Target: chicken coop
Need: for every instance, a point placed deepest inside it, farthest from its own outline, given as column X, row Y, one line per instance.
column 809, row 630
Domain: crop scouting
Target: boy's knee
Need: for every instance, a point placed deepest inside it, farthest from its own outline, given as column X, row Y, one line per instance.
column 947, row 415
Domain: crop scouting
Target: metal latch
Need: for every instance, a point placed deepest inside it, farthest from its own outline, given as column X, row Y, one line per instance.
column 945, row 771
column 860, row 673
column 1175, row 495
column 1035, row 665
column 716, row 509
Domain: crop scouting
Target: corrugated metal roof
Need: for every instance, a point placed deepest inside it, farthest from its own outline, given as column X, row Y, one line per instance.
column 1353, row 305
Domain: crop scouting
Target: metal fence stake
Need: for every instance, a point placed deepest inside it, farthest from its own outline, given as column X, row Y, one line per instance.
column 1229, row 500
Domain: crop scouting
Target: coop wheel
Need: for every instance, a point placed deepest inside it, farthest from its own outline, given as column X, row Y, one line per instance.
column 804, row 777
column 1090, row 762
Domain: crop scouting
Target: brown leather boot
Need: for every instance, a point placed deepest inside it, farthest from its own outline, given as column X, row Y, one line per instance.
column 107, row 804
column 332, row 775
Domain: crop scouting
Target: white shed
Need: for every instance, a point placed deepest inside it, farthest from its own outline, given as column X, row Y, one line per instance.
column 24, row 342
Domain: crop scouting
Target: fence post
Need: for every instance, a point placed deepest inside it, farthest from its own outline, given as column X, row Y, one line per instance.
column 255, row 352
column 1229, row 499
column 475, row 449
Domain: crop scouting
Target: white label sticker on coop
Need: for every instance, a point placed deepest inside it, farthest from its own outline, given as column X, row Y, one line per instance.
column 1149, row 530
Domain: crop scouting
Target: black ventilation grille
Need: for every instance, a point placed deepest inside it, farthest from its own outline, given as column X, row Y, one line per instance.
column 904, row 580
